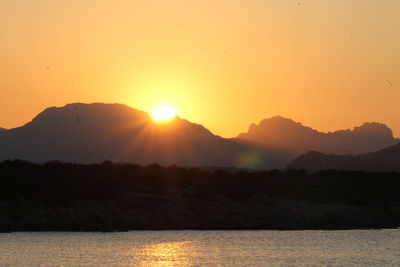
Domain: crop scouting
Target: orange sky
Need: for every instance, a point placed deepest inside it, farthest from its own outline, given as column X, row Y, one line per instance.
column 224, row 64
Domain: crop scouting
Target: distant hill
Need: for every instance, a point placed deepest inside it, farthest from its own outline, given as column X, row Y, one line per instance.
column 2, row 129
column 90, row 133
column 385, row 160
column 292, row 138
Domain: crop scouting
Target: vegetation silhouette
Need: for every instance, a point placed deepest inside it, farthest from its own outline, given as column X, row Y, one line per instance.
column 118, row 196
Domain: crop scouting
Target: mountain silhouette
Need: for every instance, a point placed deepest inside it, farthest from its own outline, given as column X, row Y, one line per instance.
column 294, row 139
column 2, row 129
column 91, row 133
column 384, row 160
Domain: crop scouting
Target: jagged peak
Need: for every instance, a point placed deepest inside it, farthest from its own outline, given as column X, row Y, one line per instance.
column 280, row 121
column 374, row 128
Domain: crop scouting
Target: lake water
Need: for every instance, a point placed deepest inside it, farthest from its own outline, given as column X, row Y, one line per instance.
column 202, row 248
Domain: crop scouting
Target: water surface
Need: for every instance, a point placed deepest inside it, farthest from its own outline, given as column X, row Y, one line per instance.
column 202, row 248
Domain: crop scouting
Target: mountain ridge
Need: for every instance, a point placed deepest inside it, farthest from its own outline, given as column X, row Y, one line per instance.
column 92, row 133
column 294, row 138
column 383, row 160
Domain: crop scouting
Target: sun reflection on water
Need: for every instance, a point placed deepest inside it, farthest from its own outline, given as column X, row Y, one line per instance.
column 166, row 254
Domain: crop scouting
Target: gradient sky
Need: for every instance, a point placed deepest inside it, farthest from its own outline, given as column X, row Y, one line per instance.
column 224, row 64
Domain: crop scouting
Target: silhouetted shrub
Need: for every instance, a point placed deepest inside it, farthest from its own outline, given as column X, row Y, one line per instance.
column 57, row 183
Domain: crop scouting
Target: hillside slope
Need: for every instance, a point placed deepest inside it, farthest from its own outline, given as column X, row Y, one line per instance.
column 89, row 133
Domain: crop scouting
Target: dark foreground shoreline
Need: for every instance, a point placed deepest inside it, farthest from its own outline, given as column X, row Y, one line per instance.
column 121, row 197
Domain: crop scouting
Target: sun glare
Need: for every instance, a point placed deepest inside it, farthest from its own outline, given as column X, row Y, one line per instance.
column 163, row 113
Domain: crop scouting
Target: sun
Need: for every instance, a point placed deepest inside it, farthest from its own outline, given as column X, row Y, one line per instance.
column 163, row 113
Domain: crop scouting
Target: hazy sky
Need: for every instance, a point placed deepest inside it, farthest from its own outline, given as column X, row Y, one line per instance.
column 225, row 64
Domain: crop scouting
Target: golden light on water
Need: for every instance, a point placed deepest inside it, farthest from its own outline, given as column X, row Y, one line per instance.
column 166, row 254
column 163, row 113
